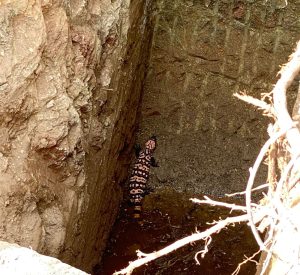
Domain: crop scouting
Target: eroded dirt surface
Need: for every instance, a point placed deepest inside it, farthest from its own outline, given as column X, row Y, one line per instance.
column 169, row 216
column 70, row 82
column 203, row 52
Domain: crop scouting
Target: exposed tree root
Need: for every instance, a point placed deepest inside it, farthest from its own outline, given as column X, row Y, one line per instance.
column 144, row 258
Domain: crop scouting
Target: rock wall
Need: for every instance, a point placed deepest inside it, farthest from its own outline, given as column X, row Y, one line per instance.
column 20, row 260
column 70, row 80
column 203, row 52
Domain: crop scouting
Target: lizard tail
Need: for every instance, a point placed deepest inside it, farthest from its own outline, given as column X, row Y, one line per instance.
column 137, row 214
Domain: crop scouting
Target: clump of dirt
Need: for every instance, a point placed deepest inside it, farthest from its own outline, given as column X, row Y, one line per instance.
column 168, row 216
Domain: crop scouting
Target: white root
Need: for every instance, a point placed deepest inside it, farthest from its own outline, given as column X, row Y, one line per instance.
column 266, row 185
column 248, row 259
column 250, row 183
column 287, row 74
column 218, row 203
column 204, row 251
column 146, row 258
column 256, row 102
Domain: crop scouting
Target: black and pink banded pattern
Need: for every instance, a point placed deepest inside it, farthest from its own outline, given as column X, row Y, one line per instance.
column 140, row 175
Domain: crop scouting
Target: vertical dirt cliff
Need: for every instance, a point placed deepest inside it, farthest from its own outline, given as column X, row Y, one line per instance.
column 203, row 52
column 70, row 81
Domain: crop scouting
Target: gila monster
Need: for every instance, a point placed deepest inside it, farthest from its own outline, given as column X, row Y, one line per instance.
column 140, row 175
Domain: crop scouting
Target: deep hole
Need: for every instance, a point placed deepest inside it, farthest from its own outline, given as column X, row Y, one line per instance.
column 83, row 82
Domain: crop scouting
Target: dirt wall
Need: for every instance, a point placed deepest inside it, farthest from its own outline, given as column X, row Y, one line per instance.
column 70, row 79
column 202, row 53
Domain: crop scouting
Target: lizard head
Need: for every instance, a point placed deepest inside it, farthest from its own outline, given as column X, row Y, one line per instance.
column 151, row 143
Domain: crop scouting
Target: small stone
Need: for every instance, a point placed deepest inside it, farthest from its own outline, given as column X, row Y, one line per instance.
column 50, row 104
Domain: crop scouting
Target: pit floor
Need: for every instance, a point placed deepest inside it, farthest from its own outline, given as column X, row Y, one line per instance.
column 167, row 217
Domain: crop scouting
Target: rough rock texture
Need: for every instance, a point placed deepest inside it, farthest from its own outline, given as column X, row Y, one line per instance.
column 15, row 259
column 70, row 80
column 203, row 52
